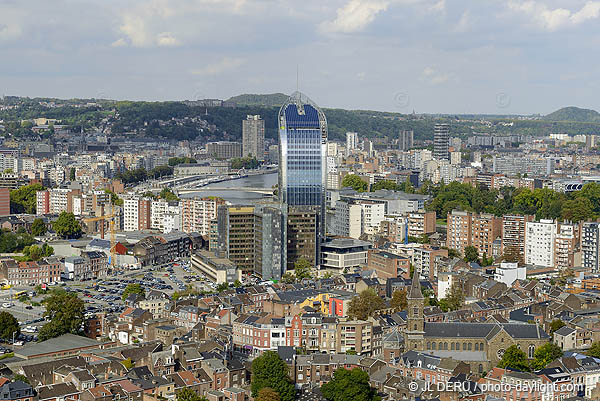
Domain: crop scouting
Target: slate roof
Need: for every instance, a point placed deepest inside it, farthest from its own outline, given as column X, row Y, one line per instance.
column 483, row 330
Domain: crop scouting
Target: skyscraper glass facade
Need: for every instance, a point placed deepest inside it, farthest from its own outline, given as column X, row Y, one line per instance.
column 302, row 156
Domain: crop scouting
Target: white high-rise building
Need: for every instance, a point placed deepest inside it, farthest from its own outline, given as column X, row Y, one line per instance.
column 539, row 243
column 197, row 214
column 165, row 216
column 348, row 219
column 130, row 214
column 351, row 141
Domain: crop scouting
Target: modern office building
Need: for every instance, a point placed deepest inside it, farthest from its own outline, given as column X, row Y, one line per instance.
column 405, row 140
column 302, row 173
column 253, row 137
column 269, row 245
column 441, row 142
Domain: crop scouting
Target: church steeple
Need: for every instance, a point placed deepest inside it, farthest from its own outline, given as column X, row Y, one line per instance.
column 415, row 322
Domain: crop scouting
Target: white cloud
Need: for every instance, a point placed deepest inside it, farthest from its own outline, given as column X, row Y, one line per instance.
column 464, row 23
column 119, row 43
column 166, row 39
column 553, row 19
column 355, row 16
column 435, row 77
column 438, row 6
column 226, row 64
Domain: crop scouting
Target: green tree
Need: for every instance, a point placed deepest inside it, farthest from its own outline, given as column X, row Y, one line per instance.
column 72, row 174
column 578, row 209
column 127, row 363
column 355, row 182
column 267, row 394
column 38, row 227
column 23, row 200
column 8, row 325
column 67, row 226
column 237, row 283
column 168, row 195
column 133, row 288
column 288, row 278
column 302, row 269
column 471, row 254
column 545, row 354
column 222, row 287
column 174, row 161
column 399, row 301
column 114, row 198
column 187, row 394
column 349, row 385
column 65, row 312
column 455, row 298
column 269, row 370
column 385, row 184
column 20, row 378
column 594, row 350
column 514, row 358
column 365, row 304
column 555, row 325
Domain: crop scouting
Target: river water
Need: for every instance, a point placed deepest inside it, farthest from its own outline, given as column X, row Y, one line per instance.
column 238, row 197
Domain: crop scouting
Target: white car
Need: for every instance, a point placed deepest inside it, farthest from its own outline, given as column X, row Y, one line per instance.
column 7, row 305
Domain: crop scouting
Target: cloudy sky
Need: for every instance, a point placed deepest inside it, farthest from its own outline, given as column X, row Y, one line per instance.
column 434, row 56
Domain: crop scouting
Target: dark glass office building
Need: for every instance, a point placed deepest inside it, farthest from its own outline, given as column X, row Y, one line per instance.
column 302, row 164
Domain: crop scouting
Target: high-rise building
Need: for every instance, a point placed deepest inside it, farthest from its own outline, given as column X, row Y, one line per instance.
column 236, row 235
column 513, row 234
column 539, row 243
column 566, row 240
column 197, row 214
column 302, row 170
column 441, row 142
column 253, row 137
column 269, row 245
column 137, row 213
column 351, row 141
column 405, row 140
column 590, row 241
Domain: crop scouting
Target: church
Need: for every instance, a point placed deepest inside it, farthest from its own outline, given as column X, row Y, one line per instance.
column 479, row 344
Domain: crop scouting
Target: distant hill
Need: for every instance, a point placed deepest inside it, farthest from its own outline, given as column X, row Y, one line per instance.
column 273, row 99
column 574, row 114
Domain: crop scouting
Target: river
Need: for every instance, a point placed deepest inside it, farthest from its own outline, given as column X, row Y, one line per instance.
column 238, row 197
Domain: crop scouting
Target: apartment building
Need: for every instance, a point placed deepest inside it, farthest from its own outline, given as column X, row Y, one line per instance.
column 421, row 223
column 566, row 240
column 255, row 334
column 423, row 260
column 356, row 335
column 137, row 213
column 165, row 216
column 459, row 230
column 198, row 213
column 388, row 265
column 539, row 242
column 513, row 233
column 356, row 217
column 42, row 201
column 590, row 240
column 485, row 229
column 44, row 271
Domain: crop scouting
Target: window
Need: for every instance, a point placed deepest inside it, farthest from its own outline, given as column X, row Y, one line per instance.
column 476, row 347
column 531, row 351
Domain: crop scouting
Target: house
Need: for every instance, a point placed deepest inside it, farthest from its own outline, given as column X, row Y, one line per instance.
column 16, row 391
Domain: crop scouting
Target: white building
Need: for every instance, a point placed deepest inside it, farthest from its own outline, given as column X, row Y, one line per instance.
column 348, row 219
column 445, row 281
column 344, row 254
column 165, row 216
column 131, row 214
column 509, row 272
column 539, row 243
column 197, row 214
column 59, row 200
column 351, row 141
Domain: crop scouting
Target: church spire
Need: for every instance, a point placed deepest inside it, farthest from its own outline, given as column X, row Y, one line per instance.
column 415, row 287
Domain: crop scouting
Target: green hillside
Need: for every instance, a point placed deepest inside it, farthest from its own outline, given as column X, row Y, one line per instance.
column 574, row 114
column 273, row 99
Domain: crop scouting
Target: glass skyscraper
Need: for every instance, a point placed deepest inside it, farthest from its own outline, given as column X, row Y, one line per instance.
column 303, row 160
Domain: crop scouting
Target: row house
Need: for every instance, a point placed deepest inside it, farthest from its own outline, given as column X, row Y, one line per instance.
column 44, row 271
column 257, row 333
column 317, row 369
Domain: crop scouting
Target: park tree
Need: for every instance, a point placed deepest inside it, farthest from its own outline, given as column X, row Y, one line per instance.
column 67, row 226
column 556, row 324
column 302, row 269
column 355, row 182
column 365, row 304
column 545, row 354
column 267, row 394
column 65, row 312
column 471, row 254
column 187, row 394
column 9, row 325
column 514, row 358
column 38, row 228
column 349, row 385
column 133, row 288
column 385, row 184
column 269, row 370
column 399, row 301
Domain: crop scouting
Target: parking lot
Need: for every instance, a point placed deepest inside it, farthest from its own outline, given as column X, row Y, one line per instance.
column 105, row 295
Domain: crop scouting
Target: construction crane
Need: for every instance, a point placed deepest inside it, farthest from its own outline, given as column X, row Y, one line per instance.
column 113, row 236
